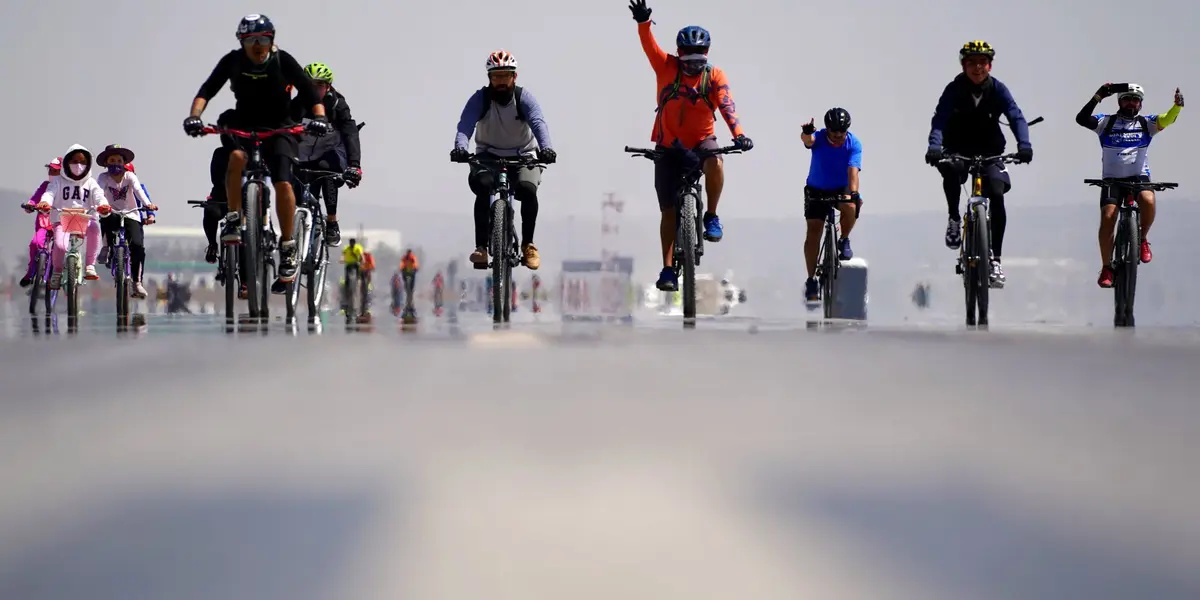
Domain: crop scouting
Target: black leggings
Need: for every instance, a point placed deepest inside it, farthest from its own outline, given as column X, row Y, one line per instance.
column 526, row 194
column 995, row 184
column 134, row 237
column 328, row 187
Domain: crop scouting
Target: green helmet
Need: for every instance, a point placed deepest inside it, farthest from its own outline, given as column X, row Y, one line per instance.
column 320, row 72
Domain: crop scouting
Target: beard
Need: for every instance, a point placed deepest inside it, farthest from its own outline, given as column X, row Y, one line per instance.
column 501, row 96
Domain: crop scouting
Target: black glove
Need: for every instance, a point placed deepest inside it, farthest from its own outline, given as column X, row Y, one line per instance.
column 933, row 155
column 1178, row 98
column 352, row 176
column 459, row 155
column 547, row 155
column 855, row 197
column 743, row 142
column 1104, row 91
column 808, row 128
column 641, row 12
column 193, row 126
column 318, row 126
column 1024, row 155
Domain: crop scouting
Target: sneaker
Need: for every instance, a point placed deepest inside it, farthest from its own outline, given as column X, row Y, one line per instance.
column 997, row 275
column 287, row 261
column 844, row 250
column 812, row 291
column 953, row 234
column 231, row 231
column 243, row 292
column 712, row 228
column 89, row 273
column 26, row 281
column 532, row 259
column 479, row 257
column 279, row 287
column 56, row 280
column 333, row 233
column 668, row 281
column 1106, row 277
column 211, row 253
column 138, row 290
column 1147, row 255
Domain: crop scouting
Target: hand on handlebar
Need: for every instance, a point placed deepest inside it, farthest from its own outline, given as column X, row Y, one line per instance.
column 193, row 126
column 743, row 143
column 460, row 155
column 933, row 156
column 104, row 209
column 29, row 208
column 42, row 206
column 352, row 176
column 1024, row 155
column 547, row 155
column 318, row 126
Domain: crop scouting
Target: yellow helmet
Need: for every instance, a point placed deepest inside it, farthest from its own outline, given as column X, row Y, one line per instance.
column 976, row 48
column 320, row 72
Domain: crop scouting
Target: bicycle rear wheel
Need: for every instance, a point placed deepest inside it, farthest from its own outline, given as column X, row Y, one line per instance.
column 499, row 251
column 829, row 272
column 229, row 265
column 981, row 276
column 117, row 255
column 35, row 288
column 251, row 245
column 687, row 242
column 1125, row 268
column 300, row 234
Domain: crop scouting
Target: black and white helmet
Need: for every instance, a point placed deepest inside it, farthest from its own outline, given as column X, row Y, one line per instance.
column 837, row 119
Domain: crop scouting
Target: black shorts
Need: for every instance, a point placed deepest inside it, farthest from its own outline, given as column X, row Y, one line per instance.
column 278, row 152
column 1113, row 194
column 996, row 181
column 669, row 170
column 817, row 208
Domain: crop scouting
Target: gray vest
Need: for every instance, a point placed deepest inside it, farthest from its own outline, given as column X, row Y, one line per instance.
column 502, row 134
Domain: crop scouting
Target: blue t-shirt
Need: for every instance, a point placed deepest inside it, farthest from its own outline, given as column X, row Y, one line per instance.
column 829, row 163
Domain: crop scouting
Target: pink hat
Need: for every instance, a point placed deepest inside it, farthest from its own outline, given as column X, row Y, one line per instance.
column 55, row 164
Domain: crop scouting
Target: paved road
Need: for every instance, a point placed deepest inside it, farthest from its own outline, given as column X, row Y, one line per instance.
column 738, row 460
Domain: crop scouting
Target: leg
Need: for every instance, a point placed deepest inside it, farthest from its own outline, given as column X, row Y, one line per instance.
column 233, row 180
column 92, row 248
column 848, row 216
column 812, row 244
column 1109, row 198
column 1145, row 202
column 328, row 189
column 995, row 184
column 108, row 227
column 61, row 239
column 481, row 181
column 278, row 153
column 135, row 237
column 714, row 183
column 528, row 180
column 953, row 177
column 212, row 216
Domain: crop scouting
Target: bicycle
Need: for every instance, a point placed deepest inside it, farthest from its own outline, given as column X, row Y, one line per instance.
column 354, row 293
column 504, row 254
column 118, row 259
column 227, row 278
column 75, row 222
column 1127, row 246
column 258, row 241
column 309, row 234
column 828, row 261
column 43, row 265
column 689, row 247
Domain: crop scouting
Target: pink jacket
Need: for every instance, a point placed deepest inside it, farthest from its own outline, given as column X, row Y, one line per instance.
column 43, row 219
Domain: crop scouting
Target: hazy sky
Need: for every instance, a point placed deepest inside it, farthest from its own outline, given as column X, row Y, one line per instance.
column 126, row 71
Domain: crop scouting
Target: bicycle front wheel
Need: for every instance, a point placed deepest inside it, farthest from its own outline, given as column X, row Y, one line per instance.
column 688, row 240
column 829, row 272
column 251, row 240
column 983, row 264
column 35, row 288
column 315, row 278
column 499, row 258
column 71, row 282
column 1125, row 268
column 122, row 291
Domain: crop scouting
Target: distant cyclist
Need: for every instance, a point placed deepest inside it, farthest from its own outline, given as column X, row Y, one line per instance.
column 338, row 151
column 966, row 121
column 689, row 89
column 507, row 121
column 125, row 192
column 261, row 77
column 833, row 172
column 1124, row 141
column 42, row 229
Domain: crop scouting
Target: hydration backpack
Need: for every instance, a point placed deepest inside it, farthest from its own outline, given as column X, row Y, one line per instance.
column 702, row 89
column 487, row 105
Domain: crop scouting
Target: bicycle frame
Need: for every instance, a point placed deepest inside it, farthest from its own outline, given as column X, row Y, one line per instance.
column 41, row 277
column 309, row 232
column 828, row 262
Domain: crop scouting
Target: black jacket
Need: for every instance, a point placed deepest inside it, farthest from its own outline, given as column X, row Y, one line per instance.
column 345, row 130
column 261, row 92
column 967, row 118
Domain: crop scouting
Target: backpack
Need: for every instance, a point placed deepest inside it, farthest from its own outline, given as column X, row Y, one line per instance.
column 703, row 89
column 516, row 98
column 1112, row 121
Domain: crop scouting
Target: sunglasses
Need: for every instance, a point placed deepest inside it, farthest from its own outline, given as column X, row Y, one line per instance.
column 257, row 40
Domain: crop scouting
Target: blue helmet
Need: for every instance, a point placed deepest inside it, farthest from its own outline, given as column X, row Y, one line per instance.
column 693, row 36
column 255, row 24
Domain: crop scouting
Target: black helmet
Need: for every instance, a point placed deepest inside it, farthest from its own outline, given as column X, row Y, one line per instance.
column 252, row 25
column 837, row 119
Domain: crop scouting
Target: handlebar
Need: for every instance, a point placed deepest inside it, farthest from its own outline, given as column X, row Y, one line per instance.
column 320, row 174
column 1157, row 186
column 510, row 161
column 253, row 135
column 653, row 154
column 201, row 203
column 979, row 161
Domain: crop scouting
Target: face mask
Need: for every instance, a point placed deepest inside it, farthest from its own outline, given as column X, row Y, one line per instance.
column 115, row 169
column 78, row 169
column 693, row 64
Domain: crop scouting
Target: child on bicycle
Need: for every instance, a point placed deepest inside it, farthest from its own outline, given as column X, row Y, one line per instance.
column 118, row 181
column 41, row 226
column 74, row 188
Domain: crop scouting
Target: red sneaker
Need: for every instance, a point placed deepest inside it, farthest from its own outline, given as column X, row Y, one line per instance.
column 1106, row 277
column 1147, row 255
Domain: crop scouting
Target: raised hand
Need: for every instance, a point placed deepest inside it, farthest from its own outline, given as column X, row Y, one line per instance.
column 1178, row 98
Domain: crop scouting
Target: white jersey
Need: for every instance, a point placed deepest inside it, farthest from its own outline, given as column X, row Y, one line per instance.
column 1125, row 151
column 68, row 191
column 125, row 194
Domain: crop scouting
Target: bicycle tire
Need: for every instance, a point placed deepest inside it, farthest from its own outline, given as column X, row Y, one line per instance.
column 829, row 273
column 71, row 281
column 687, row 241
column 508, row 264
column 983, row 265
column 122, row 291
column 315, row 278
column 291, row 293
column 229, row 264
column 35, row 288
column 351, row 295
column 499, row 257
column 1125, row 268
column 965, row 257
column 251, row 238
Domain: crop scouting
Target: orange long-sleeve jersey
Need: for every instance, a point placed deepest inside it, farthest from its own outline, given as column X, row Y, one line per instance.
column 687, row 118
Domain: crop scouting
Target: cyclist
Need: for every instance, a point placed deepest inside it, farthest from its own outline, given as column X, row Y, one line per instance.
column 75, row 188
column 259, row 74
column 506, row 121
column 966, row 121
column 41, row 223
column 338, row 151
column 352, row 257
column 836, row 161
column 683, row 80
column 1124, row 141
column 118, row 180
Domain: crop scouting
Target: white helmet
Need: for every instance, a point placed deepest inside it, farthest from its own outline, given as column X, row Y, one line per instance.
column 501, row 60
column 1134, row 90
